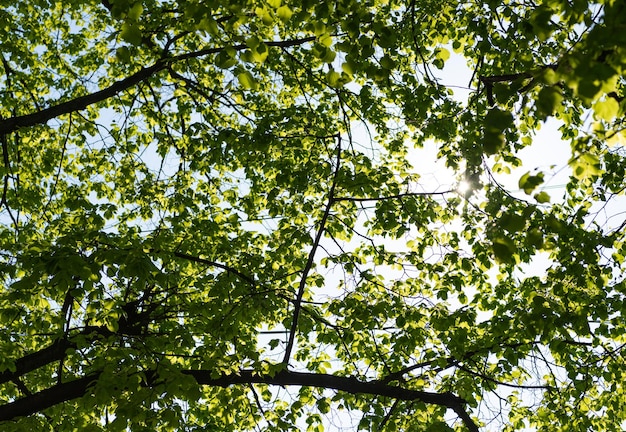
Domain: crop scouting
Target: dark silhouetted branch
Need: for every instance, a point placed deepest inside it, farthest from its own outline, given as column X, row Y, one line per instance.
column 60, row 393
column 52, row 396
column 12, row 124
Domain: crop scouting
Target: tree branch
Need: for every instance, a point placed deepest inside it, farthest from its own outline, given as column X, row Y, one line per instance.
column 56, row 351
column 224, row 267
column 74, row 389
column 309, row 263
column 504, row 78
column 47, row 398
column 14, row 123
column 36, row 360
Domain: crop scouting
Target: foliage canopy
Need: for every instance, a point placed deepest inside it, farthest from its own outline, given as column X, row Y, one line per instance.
column 210, row 219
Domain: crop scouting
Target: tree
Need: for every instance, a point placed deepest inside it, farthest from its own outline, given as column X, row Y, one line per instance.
column 210, row 221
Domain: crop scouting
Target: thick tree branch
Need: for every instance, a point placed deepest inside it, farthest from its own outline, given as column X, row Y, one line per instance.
column 41, row 117
column 77, row 388
column 56, row 351
column 36, row 360
column 489, row 81
column 345, row 384
column 39, row 401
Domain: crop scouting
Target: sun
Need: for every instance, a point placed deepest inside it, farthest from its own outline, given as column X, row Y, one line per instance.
column 463, row 186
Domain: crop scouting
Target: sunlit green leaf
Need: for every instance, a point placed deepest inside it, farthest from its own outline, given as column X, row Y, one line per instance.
column 529, row 182
column 284, row 13
column 503, row 249
column 246, row 80
column 606, row 109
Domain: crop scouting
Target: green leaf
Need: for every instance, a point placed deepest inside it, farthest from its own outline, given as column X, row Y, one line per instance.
column 349, row 67
column 497, row 121
column 387, row 62
column 528, row 183
column 324, row 53
column 209, row 25
column 541, row 22
column 333, row 78
column 325, row 40
column 253, row 42
column 134, row 13
column 400, row 321
column 535, row 237
column 438, row 426
column 265, row 15
column 443, row 54
column 606, row 109
column 225, row 60
column 131, row 33
column 319, row 28
column 542, row 197
column 247, row 81
column 123, row 54
column 386, row 37
column 503, row 249
column 284, row 13
column 512, row 222
column 585, row 165
column 548, row 99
